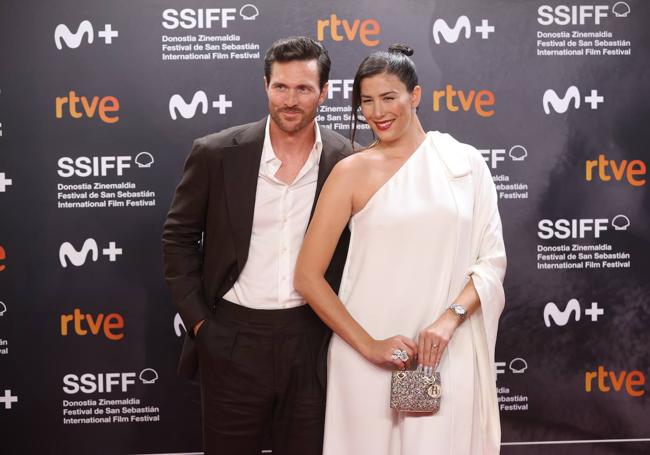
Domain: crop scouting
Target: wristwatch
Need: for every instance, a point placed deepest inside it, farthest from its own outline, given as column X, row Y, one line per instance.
column 458, row 311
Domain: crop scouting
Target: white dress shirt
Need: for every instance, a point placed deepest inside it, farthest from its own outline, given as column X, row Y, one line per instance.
column 279, row 223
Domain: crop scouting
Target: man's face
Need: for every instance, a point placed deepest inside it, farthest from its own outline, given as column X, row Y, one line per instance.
column 294, row 94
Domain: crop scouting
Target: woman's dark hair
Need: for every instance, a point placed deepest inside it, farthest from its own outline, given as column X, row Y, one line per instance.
column 298, row 48
column 395, row 61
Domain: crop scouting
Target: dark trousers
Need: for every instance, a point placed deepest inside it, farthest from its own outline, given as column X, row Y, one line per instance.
column 258, row 375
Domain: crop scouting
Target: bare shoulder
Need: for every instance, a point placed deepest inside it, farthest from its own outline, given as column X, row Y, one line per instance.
column 352, row 166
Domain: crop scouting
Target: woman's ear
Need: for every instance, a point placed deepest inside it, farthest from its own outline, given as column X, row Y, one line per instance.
column 416, row 96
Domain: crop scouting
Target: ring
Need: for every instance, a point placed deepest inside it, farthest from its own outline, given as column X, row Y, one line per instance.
column 435, row 345
column 399, row 354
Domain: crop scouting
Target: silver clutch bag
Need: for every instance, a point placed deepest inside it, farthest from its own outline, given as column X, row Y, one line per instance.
column 415, row 391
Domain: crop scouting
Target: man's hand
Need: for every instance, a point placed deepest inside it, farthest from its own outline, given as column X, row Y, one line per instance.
column 197, row 326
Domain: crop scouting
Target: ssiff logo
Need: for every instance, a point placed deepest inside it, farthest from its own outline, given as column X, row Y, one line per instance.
column 63, row 35
column 494, row 156
column 561, row 317
column 103, row 107
column 178, row 105
column 101, row 166
column 482, row 101
column 463, row 26
column 572, row 96
column 367, row 30
column 632, row 170
column 106, row 382
column 579, row 14
column 68, row 253
column 579, row 228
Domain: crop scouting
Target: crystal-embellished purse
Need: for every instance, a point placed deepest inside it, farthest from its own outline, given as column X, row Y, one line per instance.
column 415, row 391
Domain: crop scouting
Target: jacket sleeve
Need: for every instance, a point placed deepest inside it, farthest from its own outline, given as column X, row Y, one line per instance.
column 182, row 239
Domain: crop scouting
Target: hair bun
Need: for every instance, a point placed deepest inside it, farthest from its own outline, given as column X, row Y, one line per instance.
column 401, row 48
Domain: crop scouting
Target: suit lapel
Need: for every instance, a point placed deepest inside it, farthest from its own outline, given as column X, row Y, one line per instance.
column 241, row 165
column 328, row 158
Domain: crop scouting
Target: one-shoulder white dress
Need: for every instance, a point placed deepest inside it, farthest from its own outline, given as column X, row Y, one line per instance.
column 413, row 247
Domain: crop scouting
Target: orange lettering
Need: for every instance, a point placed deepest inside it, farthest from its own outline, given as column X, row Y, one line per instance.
column 483, row 99
column 466, row 103
column 618, row 171
column 589, row 166
column 636, row 167
column 617, row 382
column 105, row 107
column 93, row 324
column 118, row 323
column 589, row 380
column 89, row 109
column 321, row 24
column 60, row 101
column 65, row 321
column 630, row 383
column 369, row 27
column 351, row 32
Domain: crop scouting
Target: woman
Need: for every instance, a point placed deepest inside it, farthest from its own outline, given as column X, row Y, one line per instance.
column 426, row 262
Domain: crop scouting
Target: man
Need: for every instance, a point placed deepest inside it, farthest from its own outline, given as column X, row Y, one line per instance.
column 230, row 243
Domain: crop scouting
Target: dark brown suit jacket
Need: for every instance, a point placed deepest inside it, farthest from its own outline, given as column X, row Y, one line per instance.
column 207, row 233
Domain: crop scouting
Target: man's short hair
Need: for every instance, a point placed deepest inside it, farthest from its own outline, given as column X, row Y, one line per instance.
column 298, row 48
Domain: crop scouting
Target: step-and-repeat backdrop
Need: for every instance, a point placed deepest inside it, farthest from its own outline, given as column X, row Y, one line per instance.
column 100, row 102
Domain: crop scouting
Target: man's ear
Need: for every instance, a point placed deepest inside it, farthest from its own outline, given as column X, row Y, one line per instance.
column 323, row 93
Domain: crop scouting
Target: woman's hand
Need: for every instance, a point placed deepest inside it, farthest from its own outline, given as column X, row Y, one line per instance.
column 380, row 352
column 433, row 340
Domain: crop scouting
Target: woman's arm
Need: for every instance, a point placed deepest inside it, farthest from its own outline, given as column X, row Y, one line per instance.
column 333, row 212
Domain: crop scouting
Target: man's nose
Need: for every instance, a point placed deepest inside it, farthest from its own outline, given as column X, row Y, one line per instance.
column 291, row 98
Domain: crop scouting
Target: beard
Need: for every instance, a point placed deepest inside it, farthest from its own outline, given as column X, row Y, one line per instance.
column 292, row 127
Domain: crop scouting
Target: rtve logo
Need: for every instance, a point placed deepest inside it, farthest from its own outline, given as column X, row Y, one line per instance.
column 101, row 166
column 178, row 105
column 188, row 18
column 550, row 99
column 106, row 382
column 341, row 29
column 62, row 34
column 68, row 253
column 579, row 228
column 481, row 102
column 606, row 380
column 629, row 169
column 89, row 107
column 443, row 32
column 552, row 314
column 3, row 257
column 495, row 156
column 579, row 14
column 111, row 325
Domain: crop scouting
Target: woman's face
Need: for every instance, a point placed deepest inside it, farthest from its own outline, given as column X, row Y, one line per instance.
column 388, row 106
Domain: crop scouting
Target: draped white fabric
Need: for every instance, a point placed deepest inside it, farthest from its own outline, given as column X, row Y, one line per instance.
column 421, row 236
